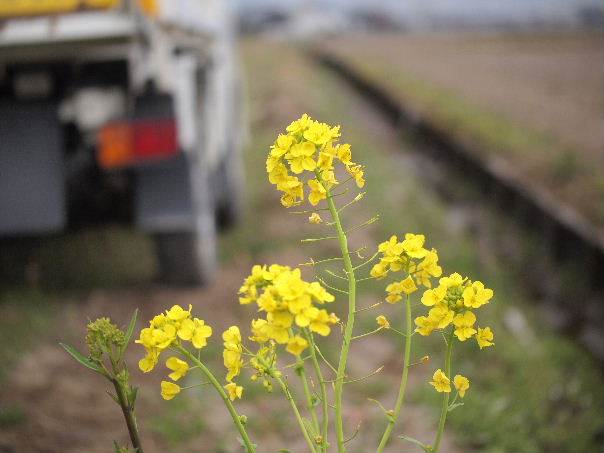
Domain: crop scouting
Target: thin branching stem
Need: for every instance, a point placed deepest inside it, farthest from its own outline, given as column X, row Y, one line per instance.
column 403, row 386
column 249, row 446
column 325, row 403
column 446, row 395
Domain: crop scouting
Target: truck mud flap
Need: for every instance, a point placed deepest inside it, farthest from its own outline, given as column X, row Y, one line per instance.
column 32, row 188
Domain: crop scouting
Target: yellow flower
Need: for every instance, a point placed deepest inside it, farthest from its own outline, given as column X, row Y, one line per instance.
column 321, row 133
column 232, row 336
column 394, row 292
column 378, row 271
column 296, row 345
column 413, row 245
column 452, row 280
column 441, row 382
column 147, row 363
column 177, row 313
column 344, row 154
column 441, row 316
column 232, row 352
column 169, row 390
column 408, row 285
column 325, row 161
column 300, row 157
column 356, row 171
column 196, row 331
column 476, row 295
column 315, row 218
column 434, row 296
column 428, row 268
column 179, row 368
column 322, row 322
column 464, row 325
column 234, row 391
column 484, row 337
column 383, row 322
column 300, row 125
column 329, row 178
column 259, row 331
column 425, row 326
column 281, row 146
column 317, row 192
column 462, row 384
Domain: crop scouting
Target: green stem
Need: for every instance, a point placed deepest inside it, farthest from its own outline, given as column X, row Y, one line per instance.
column 128, row 415
column 292, row 402
column 249, row 447
column 307, row 393
column 401, row 392
column 325, row 404
column 349, row 326
column 445, row 406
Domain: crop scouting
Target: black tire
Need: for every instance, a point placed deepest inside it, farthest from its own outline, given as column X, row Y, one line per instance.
column 229, row 187
column 189, row 257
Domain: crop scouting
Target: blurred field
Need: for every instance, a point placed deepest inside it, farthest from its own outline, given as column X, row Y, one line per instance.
column 535, row 384
column 536, row 100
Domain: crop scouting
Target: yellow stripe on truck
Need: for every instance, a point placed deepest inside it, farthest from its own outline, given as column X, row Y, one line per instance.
column 16, row 8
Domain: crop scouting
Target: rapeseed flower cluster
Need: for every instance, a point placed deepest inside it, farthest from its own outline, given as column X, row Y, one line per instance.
column 309, row 146
column 171, row 329
column 290, row 304
column 451, row 303
column 409, row 256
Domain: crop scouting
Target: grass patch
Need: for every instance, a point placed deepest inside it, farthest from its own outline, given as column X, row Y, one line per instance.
column 24, row 316
column 178, row 422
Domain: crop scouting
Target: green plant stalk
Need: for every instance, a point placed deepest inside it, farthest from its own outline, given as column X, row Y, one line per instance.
column 250, row 448
column 445, row 407
column 401, row 391
column 292, row 402
column 325, row 404
column 128, row 415
column 349, row 327
column 307, row 393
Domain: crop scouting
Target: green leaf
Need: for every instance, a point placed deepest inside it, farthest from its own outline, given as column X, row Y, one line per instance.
column 423, row 446
column 130, row 331
column 113, row 397
column 454, row 406
column 73, row 352
column 132, row 394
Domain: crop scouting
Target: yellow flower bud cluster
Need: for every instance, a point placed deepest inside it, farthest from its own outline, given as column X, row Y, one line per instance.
column 410, row 256
column 451, row 303
column 309, row 146
column 289, row 302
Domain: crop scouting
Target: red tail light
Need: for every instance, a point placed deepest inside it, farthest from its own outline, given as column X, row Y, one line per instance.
column 128, row 143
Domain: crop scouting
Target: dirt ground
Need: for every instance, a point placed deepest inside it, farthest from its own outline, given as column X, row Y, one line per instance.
column 65, row 407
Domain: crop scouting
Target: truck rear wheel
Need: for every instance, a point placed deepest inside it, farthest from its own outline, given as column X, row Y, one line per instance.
column 185, row 258
column 230, row 190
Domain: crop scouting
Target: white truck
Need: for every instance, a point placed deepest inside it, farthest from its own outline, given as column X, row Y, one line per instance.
column 121, row 111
